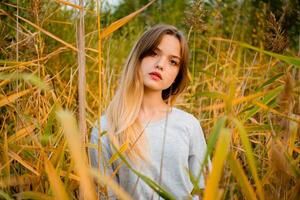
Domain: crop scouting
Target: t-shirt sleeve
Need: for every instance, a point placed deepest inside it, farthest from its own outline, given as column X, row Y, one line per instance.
column 197, row 150
column 104, row 157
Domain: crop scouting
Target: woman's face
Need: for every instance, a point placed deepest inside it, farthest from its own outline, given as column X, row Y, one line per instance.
column 160, row 67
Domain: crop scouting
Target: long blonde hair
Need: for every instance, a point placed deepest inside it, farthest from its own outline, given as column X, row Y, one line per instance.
column 122, row 112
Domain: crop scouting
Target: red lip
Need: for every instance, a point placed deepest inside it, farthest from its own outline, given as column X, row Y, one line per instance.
column 156, row 74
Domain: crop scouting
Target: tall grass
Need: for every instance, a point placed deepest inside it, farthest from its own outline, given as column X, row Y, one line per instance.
column 246, row 98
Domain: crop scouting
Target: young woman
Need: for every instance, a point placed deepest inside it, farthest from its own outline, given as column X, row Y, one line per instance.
column 164, row 143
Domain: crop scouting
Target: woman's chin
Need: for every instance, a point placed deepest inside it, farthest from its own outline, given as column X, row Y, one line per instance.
column 153, row 88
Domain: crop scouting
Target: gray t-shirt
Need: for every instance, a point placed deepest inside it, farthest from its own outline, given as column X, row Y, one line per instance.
column 184, row 151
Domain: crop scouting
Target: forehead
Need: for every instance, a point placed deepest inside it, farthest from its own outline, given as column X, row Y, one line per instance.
column 170, row 46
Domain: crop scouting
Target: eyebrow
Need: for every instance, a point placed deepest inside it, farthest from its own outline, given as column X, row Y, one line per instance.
column 174, row 56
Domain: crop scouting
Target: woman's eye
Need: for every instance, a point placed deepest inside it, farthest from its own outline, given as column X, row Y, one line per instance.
column 174, row 63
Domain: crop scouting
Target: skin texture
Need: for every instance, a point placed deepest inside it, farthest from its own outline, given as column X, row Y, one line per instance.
column 166, row 61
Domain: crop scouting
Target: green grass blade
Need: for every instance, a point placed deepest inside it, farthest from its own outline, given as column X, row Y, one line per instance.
column 266, row 100
column 48, row 131
column 212, row 95
column 241, row 178
column 5, row 195
column 270, row 81
column 31, row 78
column 156, row 187
column 218, row 126
column 220, row 155
column 288, row 59
column 249, row 155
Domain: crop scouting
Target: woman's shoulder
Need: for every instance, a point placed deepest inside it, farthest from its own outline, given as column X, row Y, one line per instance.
column 189, row 121
column 182, row 115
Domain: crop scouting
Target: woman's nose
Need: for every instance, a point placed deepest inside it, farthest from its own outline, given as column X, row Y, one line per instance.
column 159, row 67
column 161, row 63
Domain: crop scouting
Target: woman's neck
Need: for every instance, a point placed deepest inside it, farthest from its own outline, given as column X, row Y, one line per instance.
column 153, row 102
column 153, row 107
